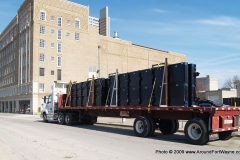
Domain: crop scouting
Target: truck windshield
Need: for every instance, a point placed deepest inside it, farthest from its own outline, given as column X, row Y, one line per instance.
column 49, row 99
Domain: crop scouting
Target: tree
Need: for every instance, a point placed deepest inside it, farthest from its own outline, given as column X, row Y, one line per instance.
column 230, row 82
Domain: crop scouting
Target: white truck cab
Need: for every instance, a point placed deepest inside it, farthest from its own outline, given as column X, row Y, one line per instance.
column 49, row 105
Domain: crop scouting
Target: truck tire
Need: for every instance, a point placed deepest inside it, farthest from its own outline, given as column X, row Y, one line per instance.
column 142, row 126
column 153, row 126
column 92, row 119
column 167, row 126
column 176, row 125
column 45, row 117
column 61, row 118
column 225, row 135
column 69, row 119
column 196, row 131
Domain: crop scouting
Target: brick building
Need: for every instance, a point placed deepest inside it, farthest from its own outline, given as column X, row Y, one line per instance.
column 52, row 40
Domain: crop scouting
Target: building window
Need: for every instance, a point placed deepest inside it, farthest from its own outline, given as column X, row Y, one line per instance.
column 59, row 21
column 52, row 58
column 41, row 87
column 52, row 45
column 52, row 72
column 68, row 22
column 41, row 57
column 59, row 74
column 42, row 15
column 59, row 62
column 59, row 34
column 42, row 43
column 52, row 18
column 59, row 49
column 77, row 36
column 41, row 71
column 42, row 29
column 77, row 24
column 92, row 71
column 67, row 34
column 53, row 31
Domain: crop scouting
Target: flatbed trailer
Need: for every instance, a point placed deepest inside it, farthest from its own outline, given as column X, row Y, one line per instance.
column 203, row 123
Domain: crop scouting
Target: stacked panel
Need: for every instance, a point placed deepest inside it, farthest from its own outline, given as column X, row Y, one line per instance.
column 178, row 84
column 192, row 84
column 146, row 87
column 74, row 95
column 79, row 94
column 158, row 87
column 134, row 88
column 100, row 92
column 140, row 88
column 123, row 89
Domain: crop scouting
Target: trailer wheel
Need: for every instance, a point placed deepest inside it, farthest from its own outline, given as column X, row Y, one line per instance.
column 142, row 126
column 176, row 125
column 45, row 117
column 225, row 135
column 167, row 126
column 196, row 131
column 61, row 118
column 68, row 119
column 153, row 126
column 91, row 120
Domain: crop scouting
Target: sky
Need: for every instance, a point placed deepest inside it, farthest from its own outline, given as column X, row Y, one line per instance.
column 206, row 31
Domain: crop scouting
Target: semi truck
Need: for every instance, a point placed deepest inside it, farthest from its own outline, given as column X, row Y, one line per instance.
column 171, row 97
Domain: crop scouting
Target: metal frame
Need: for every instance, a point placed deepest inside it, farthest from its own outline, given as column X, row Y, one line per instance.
column 115, row 89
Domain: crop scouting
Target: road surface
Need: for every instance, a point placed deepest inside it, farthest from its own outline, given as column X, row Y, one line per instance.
column 26, row 137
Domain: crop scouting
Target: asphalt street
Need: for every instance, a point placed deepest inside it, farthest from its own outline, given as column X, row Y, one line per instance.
column 26, row 137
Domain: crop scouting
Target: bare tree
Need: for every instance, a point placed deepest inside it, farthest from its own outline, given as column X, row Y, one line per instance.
column 230, row 82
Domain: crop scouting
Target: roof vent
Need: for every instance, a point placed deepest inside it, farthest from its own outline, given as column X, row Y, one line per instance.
column 116, row 35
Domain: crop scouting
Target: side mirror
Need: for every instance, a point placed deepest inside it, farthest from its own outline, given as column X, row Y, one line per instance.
column 44, row 99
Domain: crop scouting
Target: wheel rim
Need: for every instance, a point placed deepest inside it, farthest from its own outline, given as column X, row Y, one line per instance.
column 194, row 131
column 139, row 127
column 44, row 117
column 67, row 119
column 60, row 118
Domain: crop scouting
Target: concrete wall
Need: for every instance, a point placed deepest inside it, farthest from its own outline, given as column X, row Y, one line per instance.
column 218, row 95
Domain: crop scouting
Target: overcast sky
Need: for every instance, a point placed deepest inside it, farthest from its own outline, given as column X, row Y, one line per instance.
column 206, row 31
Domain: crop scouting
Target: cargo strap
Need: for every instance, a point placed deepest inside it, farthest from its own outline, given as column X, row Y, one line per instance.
column 69, row 93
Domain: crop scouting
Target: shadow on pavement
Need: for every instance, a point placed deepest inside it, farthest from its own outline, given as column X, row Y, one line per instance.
column 176, row 138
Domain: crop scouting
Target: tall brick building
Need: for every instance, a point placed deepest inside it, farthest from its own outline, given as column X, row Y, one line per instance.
column 52, row 40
